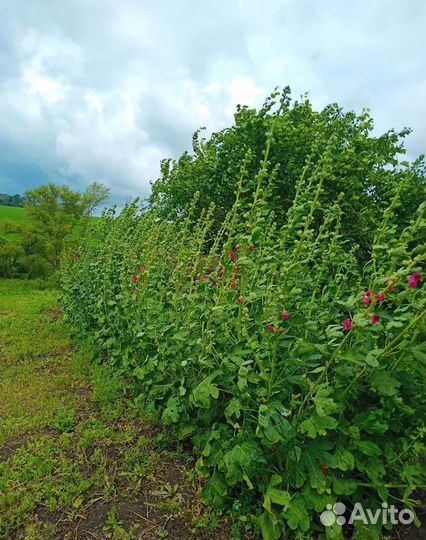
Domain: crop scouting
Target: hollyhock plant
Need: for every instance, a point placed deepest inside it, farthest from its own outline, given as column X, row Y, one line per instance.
column 347, row 325
column 375, row 319
column 380, row 297
column 233, row 256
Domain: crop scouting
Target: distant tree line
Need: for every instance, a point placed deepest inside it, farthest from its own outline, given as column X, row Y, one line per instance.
column 11, row 200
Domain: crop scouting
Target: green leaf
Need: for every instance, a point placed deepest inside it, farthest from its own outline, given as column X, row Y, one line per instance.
column 384, row 383
column 344, row 486
column 276, row 496
column 297, row 515
column 269, row 526
column 368, row 448
column 371, row 358
column 323, row 404
column 343, row 459
column 317, row 425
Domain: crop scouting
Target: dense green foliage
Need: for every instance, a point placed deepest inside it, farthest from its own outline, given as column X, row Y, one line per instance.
column 296, row 372
column 11, row 200
column 365, row 168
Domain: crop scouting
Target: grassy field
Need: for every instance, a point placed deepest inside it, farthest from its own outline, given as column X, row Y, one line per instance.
column 16, row 215
column 75, row 462
column 19, row 217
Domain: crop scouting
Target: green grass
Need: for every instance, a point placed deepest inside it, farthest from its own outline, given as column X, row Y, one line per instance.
column 37, row 361
column 75, row 461
column 16, row 215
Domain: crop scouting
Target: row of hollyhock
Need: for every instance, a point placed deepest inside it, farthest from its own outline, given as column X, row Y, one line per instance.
column 259, row 346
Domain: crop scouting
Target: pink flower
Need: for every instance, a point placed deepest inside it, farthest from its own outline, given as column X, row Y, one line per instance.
column 134, row 279
column 240, row 300
column 380, row 297
column 284, row 315
column 369, row 293
column 347, row 325
column 414, row 280
column 233, row 256
column 375, row 319
column 366, row 300
column 270, row 328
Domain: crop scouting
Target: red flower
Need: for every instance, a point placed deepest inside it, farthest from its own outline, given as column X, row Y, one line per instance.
column 240, row 300
column 347, row 325
column 380, row 297
column 237, row 269
column 237, row 247
column 270, row 328
column 234, row 283
column 134, row 279
column 233, row 256
column 251, row 247
column 366, row 300
column 375, row 319
column 414, row 280
column 284, row 315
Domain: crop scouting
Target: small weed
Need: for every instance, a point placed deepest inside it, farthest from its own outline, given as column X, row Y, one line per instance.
column 64, row 420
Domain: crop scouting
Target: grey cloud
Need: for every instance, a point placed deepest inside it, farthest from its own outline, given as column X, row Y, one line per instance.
column 93, row 90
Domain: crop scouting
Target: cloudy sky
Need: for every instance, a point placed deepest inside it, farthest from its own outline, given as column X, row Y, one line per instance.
column 103, row 90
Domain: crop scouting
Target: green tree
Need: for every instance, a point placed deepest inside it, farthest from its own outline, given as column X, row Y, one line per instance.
column 54, row 211
column 365, row 168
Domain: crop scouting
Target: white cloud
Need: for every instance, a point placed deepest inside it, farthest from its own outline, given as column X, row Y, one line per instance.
column 104, row 91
